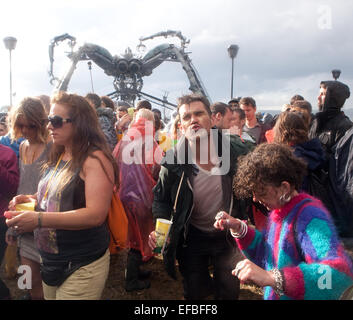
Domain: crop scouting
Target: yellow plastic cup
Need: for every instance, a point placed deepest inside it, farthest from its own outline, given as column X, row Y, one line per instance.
column 131, row 111
column 162, row 230
column 26, row 206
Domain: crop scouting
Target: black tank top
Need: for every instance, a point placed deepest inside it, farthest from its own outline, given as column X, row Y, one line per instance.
column 76, row 246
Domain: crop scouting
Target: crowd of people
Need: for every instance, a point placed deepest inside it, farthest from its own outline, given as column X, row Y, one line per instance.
column 251, row 197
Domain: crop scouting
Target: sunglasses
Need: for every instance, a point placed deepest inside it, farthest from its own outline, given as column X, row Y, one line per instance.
column 57, row 121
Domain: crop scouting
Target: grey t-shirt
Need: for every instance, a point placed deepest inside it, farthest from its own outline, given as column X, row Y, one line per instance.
column 208, row 197
column 30, row 173
column 255, row 132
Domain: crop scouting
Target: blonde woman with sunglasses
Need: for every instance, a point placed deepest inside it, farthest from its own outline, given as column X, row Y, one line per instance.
column 72, row 202
column 28, row 120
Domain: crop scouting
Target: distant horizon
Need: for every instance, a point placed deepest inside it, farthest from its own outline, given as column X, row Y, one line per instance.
column 280, row 107
column 347, row 110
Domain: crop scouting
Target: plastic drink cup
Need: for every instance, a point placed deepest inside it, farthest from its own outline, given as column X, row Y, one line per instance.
column 162, row 231
column 26, row 206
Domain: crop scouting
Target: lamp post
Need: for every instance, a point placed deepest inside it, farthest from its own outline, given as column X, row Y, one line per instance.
column 90, row 72
column 336, row 74
column 232, row 51
column 10, row 44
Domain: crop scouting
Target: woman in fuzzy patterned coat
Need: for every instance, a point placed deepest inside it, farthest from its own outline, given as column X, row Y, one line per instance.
column 298, row 255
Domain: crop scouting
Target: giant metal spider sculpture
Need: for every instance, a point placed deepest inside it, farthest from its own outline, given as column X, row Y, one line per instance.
column 128, row 69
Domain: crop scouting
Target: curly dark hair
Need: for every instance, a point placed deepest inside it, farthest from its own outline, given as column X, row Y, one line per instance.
column 268, row 164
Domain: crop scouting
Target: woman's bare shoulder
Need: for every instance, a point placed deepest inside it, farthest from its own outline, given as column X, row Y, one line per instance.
column 95, row 160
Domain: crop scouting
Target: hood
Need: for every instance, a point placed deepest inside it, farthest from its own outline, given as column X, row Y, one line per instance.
column 312, row 152
column 142, row 126
column 336, row 95
column 140, row 131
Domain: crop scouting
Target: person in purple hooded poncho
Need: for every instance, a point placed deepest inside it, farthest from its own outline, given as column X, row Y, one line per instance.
column 138, row 157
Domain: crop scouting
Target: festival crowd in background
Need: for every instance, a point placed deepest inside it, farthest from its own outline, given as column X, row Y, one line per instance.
column 251, row 197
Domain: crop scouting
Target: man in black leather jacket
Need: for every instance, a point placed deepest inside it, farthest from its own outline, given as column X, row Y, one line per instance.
column 192, row 195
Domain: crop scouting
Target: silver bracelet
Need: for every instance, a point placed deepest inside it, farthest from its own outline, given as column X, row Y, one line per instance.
column 278, row 282
column 243, row 231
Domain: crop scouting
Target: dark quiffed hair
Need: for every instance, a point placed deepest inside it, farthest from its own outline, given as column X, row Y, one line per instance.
column 194, row 97
column 268, row 164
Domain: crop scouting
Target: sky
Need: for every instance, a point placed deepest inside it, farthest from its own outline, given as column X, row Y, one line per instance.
column 285, row 47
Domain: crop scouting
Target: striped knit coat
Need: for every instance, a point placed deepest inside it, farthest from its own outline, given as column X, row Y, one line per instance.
column 301, row 241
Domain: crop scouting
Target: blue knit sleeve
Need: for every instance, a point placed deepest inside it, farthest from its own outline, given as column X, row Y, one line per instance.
column 253, row 247
column 327, row 270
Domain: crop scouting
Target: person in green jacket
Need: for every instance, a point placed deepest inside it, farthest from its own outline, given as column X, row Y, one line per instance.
column 195, row 182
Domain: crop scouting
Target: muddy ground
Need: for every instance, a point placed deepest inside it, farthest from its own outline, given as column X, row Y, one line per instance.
column 162, row 286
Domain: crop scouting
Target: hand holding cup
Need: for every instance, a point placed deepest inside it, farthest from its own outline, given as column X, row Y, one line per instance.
column 152, row 240
column 22, row 198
